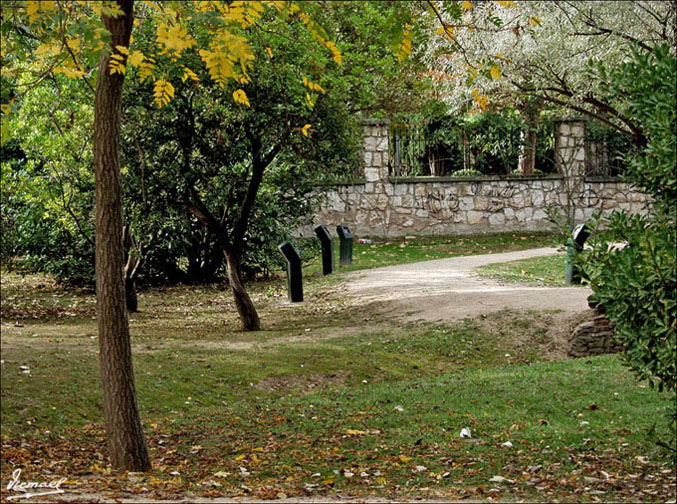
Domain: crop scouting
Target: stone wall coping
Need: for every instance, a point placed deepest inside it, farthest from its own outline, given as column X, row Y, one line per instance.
column 604, row 178
column 483, row 178
column 351, row 182
column 575, row 119
column 374, row 122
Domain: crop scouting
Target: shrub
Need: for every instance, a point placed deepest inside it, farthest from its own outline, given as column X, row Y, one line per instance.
column 636, row 284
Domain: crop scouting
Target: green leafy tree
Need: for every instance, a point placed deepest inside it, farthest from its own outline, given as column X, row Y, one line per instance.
column 245, row 174
column 80, row 40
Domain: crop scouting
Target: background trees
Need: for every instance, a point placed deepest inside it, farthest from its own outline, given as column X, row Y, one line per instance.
column 543, row 50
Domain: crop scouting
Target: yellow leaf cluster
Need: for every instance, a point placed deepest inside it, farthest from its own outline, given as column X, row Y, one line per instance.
column 480, row 99
column 466, row 5
column 163, row 92
column 304, row 130
column 69, row 71
column 227, row 51
column 335, row 52
column 506, row 3
column 495, row 72
column 189, row 74
column 535, row 21
column 173, row 38
column 448, row 32
column 313, row 86
column 241, row 97
column 404, row 49
column 116, row 64
column 136, row 58
column 35, row 8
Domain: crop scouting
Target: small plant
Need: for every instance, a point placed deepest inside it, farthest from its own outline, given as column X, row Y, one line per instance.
column 466, row 172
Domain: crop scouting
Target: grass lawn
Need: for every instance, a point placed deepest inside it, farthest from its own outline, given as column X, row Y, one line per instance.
column 329, row 399
column 548, row 270
column 388, row 252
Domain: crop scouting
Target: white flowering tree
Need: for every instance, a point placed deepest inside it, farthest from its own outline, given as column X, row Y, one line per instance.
column 531, row 53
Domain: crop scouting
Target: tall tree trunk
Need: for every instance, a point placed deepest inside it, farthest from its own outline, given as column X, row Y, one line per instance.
column 527, row 157
column 530, row 111
column 245, row 307
column 124, row 433
column 131, row 299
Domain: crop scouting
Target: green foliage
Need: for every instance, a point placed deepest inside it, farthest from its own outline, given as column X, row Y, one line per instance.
column 467, row 172
column 200, row 146
column 636, row 284
column 492, row 141
column 48, row 185
column 646, row 88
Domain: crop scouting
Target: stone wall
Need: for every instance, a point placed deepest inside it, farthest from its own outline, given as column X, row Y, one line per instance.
column 594, row 337
column 381, row 205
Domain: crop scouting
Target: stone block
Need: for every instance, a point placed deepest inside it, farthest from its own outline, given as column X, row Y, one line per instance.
column 539, row 215
column 372, row 174
column 382, row 145
column 420, row 190
column 496, row 219
column 370, row 143
column 537, row 198
column 474, row 217
column 481, row 203
column 466, row 203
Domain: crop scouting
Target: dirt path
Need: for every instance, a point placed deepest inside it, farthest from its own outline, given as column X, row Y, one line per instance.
column 448, row 289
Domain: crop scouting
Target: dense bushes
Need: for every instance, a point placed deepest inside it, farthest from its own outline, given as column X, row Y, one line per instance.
column 637, row 283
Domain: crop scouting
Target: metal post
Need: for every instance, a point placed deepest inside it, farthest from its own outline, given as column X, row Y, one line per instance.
column 346, row 247
column 327, row 249
column 294, row 271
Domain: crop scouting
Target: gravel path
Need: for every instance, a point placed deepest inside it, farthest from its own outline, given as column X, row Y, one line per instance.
column 448, row 289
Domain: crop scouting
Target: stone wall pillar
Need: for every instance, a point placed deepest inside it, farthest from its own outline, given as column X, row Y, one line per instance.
column 375, row 150
column 570, row 162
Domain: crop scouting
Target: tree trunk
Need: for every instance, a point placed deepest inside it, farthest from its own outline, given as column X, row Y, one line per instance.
column 527, row 158
column 245, row 307
column 124, row 433
column 530, row 112
column 131, row 299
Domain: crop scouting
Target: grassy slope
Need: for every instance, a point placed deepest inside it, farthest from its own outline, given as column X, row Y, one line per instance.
column 320, row 392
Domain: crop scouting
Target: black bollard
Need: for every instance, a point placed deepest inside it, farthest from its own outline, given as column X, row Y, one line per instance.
column 346, row 247
column 574, row 246
column 327, row 249
column 294, row 272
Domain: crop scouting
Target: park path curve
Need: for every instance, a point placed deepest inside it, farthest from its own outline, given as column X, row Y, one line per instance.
column 448, row 289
